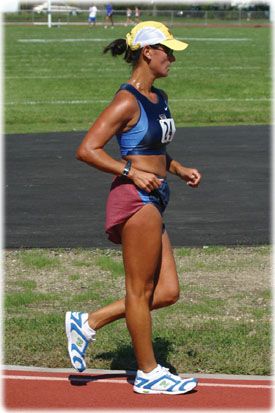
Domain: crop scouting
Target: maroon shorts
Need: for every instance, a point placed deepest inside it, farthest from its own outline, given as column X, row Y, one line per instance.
column 125, row 199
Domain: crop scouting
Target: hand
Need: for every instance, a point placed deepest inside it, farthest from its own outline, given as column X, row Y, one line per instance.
column 145, row 180
column 190, row 175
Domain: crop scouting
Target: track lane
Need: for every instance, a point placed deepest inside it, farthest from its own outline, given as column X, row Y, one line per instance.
column 35, row 389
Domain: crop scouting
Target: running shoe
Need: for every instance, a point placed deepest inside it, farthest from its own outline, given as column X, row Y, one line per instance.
column 79, row 335
column 160, row 380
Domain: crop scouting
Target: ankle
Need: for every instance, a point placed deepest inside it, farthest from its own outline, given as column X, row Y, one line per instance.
column 149, row 369
column 92, row 323
column 88, row 331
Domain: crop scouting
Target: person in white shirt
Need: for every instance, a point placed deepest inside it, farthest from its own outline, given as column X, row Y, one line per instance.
column 92, row 15
column 129, row 16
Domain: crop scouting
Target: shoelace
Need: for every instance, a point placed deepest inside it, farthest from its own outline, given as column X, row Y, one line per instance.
column 168, row 373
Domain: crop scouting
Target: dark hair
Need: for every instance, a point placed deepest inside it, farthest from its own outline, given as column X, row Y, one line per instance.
column 119, row 46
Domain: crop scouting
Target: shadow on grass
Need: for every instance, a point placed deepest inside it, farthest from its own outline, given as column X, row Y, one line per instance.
column 123, row 357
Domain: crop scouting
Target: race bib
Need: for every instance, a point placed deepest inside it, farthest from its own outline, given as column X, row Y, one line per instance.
column 168, row 129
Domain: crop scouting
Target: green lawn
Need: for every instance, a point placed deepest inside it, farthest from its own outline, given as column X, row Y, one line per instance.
column 221, row 324
column 58, row 79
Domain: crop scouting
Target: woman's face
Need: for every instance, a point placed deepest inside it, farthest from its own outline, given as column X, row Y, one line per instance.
column 161, row 59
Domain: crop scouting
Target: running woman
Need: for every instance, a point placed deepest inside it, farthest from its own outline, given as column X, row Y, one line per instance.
column 140, row 118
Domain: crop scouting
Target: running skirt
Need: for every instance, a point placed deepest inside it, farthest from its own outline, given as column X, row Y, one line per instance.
column 125, row 199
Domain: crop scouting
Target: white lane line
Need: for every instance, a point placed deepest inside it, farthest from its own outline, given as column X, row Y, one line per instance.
column 120, row 381
column 58, row 102
column 91, row 101
column 96, row 72
column 200, row 39
column 216, row 39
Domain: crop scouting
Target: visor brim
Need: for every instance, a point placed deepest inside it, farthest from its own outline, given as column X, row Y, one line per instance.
column 174, row 44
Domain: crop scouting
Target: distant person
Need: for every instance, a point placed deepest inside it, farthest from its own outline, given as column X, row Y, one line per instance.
column 140, row 118
column 137, row 14
column 92, row 15
column 129, row 16
column 109, row 15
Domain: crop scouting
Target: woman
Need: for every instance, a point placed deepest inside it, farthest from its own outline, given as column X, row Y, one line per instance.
column 129, row 16
column 137, row 14
column 140, row 118
column 109, row 15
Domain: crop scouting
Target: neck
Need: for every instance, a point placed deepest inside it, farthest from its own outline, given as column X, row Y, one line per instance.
column 142, row 81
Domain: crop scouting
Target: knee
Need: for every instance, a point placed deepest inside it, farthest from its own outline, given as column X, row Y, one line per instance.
column 140, row 292
column 168, row 297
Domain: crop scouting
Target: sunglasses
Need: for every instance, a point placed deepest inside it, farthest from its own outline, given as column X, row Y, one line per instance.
column 165, row 49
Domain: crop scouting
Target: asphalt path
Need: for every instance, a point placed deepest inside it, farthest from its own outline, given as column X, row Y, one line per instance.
column 53, row 200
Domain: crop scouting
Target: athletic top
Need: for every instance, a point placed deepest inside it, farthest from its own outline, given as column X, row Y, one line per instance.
column 109, row 9
column 154, row 129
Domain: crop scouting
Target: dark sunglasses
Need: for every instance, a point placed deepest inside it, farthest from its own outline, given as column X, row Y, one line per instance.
column 165, row 49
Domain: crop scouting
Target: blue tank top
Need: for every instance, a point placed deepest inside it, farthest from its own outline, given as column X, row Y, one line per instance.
column 154, row 129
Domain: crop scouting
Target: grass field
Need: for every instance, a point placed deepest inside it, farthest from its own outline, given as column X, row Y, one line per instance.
column 220, row 324
column 58, row 79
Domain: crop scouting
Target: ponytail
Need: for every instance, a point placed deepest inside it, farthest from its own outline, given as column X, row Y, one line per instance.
column 119, row 46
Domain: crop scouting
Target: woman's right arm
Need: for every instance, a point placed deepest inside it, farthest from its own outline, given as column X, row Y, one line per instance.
column 114, row 118
column 122, row 113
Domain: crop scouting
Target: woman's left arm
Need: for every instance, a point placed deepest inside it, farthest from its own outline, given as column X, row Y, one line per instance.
column 190, row 175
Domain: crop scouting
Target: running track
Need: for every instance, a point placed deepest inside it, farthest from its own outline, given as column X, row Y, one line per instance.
column 52, row 200
column 51, row 389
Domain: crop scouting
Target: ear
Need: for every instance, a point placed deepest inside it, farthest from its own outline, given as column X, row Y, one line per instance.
column 147, row 52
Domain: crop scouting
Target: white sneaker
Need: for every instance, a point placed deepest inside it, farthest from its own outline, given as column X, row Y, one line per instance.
column 79, row 335
column 160, row 380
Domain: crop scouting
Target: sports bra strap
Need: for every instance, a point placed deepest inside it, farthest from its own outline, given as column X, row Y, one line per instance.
column 140, row 96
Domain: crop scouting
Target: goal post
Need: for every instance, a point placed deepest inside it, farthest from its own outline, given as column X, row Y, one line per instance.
column 49, row 13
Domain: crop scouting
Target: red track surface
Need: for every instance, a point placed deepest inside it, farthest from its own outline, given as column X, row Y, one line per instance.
column 27, row 389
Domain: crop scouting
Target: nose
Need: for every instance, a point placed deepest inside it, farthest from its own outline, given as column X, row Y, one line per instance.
column 172, row 58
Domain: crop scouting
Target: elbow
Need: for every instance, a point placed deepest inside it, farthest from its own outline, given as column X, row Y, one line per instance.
column 83, row 154
column 79, row 154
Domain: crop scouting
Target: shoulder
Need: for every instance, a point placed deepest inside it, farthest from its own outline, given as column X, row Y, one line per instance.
column 124, row 106
column 126, row 99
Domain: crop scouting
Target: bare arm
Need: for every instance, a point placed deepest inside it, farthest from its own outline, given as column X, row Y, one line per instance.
column 190, row 175
column 113, row 119
column 120, row 115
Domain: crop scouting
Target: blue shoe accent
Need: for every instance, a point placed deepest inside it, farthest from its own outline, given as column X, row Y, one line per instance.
column 76, row 317
column 187, row 383
column 159, row 379
column 77, row 361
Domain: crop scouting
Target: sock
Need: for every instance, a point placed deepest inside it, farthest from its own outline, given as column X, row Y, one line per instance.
column 152, row 372
column 89, row 332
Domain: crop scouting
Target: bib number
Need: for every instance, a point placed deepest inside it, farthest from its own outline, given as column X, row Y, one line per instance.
column 168, row 129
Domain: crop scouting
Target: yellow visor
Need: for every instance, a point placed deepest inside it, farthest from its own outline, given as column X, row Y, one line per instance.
column 150, row 33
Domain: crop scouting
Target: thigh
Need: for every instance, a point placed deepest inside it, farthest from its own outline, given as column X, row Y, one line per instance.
column 141, row 237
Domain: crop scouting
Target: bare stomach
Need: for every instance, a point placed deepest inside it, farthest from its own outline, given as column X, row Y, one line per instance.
column 155, row 164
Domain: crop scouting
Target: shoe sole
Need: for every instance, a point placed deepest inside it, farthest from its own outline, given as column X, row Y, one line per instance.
column 190, row 386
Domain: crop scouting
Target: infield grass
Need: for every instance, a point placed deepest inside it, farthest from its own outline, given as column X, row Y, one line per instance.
column 221, row 324
column 58, row 79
